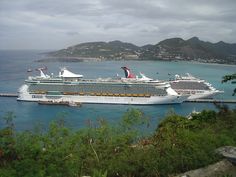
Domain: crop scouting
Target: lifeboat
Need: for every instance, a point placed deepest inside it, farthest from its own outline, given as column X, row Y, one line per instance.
column 141, row 95
column 69, row 93
column 128, row 94
column 39, row 92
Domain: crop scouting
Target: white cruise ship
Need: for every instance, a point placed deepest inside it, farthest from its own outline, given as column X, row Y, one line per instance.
column 196, row 88
column 70, row 87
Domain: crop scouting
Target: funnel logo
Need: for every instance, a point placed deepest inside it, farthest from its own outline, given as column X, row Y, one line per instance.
column 128, row 73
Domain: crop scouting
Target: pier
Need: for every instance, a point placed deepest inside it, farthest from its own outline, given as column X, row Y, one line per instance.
column 8, row 95
column 210, row 101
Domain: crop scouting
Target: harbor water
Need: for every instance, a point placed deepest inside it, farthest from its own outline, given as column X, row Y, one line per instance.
column 13, row 72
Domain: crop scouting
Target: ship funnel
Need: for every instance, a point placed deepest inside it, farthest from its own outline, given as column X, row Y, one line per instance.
column 128, row 73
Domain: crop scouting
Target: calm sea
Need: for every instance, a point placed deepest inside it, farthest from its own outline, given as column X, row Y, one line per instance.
column 13, row 72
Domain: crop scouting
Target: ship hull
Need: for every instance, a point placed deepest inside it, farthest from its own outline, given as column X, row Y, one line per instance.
column 107, row 99
column 168, row 99
column 205, row 94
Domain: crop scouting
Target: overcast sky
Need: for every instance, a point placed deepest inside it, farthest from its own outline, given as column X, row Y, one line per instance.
column 56, row 24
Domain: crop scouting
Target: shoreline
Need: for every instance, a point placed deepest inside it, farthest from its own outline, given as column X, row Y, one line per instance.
column 96, row 59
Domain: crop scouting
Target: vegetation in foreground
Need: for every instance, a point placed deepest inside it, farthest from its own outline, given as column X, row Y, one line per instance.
column 177, row 145
column 232, row 78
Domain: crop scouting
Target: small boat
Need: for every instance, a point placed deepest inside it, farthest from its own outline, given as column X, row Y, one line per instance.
column 65, row 103
column 53, row 102
column 72, row 103
column 29, row 70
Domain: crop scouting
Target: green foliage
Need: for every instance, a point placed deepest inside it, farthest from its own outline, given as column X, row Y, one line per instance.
column 98, row 173
column 227, row 175
column 102, row 149
column 230, row 77
column 227, row 78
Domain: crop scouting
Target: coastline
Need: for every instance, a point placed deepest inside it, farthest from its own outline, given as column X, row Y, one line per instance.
column 216, row 64
column 97, row 59
column 67, row 59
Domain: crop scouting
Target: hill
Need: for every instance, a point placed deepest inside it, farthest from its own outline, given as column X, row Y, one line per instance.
column 192, row 49
column 99, row 50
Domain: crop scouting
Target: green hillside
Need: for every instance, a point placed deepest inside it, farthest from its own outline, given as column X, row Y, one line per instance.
column 192, row 49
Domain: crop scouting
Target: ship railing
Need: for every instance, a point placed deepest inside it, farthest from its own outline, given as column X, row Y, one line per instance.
column 109, row 94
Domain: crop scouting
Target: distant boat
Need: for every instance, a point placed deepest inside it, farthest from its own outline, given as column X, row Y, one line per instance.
column 29, row 70
column 42, row 68
column 72, row 103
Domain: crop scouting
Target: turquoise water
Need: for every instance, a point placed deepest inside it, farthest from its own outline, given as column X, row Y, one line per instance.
column 14, row 65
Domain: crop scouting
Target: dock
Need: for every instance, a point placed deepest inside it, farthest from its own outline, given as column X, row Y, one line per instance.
column 8, row 95
column 210, row 101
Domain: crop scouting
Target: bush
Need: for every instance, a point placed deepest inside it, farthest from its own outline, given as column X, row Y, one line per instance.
column 177, row 145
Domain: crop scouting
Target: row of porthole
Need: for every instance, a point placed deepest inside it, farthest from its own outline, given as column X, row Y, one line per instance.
column 114, row 94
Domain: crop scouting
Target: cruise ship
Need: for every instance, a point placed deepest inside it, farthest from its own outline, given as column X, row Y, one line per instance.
column 195, row 87
column 71, row 87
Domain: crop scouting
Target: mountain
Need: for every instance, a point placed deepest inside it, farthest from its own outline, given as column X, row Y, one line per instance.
column 192, row 49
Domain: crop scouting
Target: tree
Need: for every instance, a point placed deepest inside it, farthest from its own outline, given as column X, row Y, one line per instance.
column 230, row 77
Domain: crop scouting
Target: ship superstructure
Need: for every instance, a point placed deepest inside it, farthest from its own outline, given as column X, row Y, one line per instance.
column 71, row 87
column 195, row 87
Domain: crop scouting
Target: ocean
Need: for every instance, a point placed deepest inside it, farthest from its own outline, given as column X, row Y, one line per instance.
column 13, row 72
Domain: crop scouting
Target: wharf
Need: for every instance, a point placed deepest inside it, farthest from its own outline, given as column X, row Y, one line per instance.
column 8, row 95
column 211, row 101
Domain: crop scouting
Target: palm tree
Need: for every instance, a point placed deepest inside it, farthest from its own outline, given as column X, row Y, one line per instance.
column 230, row 77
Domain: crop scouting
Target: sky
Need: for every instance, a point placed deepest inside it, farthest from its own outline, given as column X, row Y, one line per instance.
column 57, row 24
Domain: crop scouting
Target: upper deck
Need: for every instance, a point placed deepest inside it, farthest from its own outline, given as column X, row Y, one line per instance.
column 113, row 81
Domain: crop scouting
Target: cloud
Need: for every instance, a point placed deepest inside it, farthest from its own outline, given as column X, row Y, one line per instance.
column 58, row 23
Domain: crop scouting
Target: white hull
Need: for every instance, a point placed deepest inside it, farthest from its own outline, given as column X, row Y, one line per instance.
column 205, row 94
column 24, row 95
column 106, row 99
